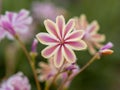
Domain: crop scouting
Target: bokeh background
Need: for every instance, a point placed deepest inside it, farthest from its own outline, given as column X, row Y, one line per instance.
column 103, row 74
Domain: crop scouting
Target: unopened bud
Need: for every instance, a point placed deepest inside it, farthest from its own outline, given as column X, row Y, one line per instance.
column 105, row 50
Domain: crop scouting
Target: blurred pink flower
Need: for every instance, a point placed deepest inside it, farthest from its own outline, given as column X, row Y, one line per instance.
column 91, row 37
column 47, row 71
column 16, row 82
column 61, row 40
column 46, row 10
column 15, row 23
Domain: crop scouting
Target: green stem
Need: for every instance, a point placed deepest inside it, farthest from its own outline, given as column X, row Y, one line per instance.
column 30, row 61
column 95, row 57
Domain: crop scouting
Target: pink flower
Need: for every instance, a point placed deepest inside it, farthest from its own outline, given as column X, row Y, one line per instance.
column 46, row 10
column 14, row 23
column 91, row 37
column 47, row 71
column 61, row 40
column 16, row 82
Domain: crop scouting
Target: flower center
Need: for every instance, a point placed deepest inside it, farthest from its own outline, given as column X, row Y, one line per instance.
column 62, row 42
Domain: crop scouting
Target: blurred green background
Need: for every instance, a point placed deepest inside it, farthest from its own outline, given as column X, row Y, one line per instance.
column 103, row 74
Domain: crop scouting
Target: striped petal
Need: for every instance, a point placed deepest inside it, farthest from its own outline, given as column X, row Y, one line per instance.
column 98, row 37
column 77, row 24
column 83, row 21
column 51, row 28
column 77, row 45
column 58, row 58
column 49, row 51
column 22, row 14
column 93, row 27
column 91, row 49
column 69, row 26
column 75, row 35
column 60, row 21
column 69, row 54
column 10, row 16
column 2, row 33
column 46, row 39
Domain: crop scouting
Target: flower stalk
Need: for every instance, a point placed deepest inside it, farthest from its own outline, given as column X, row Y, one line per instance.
column 95, row 57
column 29, row 60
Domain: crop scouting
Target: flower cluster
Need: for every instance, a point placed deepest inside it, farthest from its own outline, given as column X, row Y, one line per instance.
column 48, row 71
column 62, row 40
column 15, row 23
column 91, row 37
column 16, row 82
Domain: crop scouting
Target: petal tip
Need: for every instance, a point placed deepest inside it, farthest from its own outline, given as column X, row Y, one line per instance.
column 58, row 65
column 37, row 36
